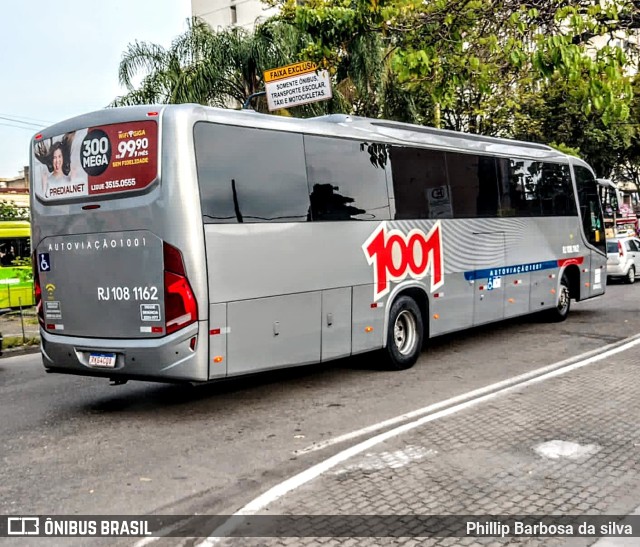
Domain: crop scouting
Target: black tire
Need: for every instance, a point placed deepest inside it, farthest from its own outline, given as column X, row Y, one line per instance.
column 631, row 275
column 563, row 303
column 404, row 334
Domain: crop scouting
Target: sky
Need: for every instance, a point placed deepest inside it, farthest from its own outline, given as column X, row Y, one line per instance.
column 60, row 59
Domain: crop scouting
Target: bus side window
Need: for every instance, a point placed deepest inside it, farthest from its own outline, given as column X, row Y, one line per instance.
column 345, row 181
column 474, row 185
column 420, row 183
column 250, row 175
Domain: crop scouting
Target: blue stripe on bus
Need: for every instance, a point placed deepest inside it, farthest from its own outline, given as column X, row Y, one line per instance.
column 510, row 270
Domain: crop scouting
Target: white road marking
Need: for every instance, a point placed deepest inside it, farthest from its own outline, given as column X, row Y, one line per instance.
column 389, row 460
column 279, row 490
column 146, row 541
column 457, row 399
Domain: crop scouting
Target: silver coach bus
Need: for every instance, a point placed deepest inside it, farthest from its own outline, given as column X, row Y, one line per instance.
column 186, row 243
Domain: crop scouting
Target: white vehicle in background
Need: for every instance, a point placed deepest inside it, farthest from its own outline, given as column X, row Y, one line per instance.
column 623, row 258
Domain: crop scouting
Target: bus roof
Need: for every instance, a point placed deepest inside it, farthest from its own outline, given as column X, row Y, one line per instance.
column 338, row 125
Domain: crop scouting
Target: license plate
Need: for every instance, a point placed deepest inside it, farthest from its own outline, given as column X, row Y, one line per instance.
column 102, row 360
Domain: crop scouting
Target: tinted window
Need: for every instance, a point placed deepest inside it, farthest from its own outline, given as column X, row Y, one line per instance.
column 420, row 183
column 524, row 177
column 534, row 188
column 474, row 185
column 250, row 175
column 555, row 191
column 590, row 209
column 347, row 179
column 612, row 246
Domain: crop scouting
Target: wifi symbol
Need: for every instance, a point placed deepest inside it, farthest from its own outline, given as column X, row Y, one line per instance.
column 50, row 287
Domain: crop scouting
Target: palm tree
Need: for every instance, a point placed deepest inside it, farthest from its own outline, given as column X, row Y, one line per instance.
column 226, row 67
column 206, row 67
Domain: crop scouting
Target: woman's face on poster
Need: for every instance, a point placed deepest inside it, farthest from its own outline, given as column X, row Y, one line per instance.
column 57, row 162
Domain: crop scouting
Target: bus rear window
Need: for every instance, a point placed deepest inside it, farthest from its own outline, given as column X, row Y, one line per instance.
column 95, row 161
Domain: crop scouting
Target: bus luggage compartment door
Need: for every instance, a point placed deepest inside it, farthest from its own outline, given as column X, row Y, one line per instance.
column 273, row 332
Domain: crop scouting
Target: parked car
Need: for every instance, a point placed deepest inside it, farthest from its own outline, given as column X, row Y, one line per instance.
column 623, row 258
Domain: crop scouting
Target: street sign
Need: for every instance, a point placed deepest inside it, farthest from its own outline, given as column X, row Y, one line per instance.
column 296, row 84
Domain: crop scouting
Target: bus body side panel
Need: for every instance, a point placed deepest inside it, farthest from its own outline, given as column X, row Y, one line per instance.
column 218, row 334
column 368, row 332
column 593, row 275
column 336, row 323
column 295, row 275
column 488, row 300
column 274, row 332
column 169, row 210
column 598, row 274
column 497, row 268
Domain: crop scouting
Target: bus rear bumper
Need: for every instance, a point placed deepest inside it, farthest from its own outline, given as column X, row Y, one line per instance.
column 166, row 359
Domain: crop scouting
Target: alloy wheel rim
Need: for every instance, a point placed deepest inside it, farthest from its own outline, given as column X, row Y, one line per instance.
column 405, row 332
column 563, row 301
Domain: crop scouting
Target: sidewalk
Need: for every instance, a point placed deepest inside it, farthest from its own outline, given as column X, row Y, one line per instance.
column 11, row 328
column 569, row 445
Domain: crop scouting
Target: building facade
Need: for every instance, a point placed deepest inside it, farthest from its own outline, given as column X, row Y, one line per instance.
column 225, row 13
column 16, row 189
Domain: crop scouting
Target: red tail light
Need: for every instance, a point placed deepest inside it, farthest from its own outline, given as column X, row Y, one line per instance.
column 180, row 306
column 37, row 289
column 620, row 251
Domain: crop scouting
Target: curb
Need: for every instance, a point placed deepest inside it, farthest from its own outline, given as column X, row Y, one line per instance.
column 20, row 350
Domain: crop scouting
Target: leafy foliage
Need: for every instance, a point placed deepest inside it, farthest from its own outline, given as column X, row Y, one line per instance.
column 11, row 211
column 470, row 60
column 204, row 66
column 554, row 72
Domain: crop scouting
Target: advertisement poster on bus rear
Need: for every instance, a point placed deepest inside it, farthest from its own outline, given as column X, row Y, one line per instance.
column 96, row 161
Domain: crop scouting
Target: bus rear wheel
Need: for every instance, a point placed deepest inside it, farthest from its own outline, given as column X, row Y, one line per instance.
column 404, row 334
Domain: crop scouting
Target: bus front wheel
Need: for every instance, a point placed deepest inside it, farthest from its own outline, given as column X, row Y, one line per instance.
column 563, row 304
column 405, row 332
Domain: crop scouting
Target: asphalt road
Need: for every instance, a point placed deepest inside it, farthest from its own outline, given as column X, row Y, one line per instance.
column 78, row 445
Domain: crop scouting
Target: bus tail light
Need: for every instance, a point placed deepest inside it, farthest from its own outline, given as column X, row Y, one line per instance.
column 37, row 290
column 180, row 306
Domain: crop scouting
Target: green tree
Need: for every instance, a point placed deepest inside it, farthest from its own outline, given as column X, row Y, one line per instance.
column 223, row 68
column 468, row 61
column 215, row 68
column 556, row 113
column 627, row 169
column 11, row 211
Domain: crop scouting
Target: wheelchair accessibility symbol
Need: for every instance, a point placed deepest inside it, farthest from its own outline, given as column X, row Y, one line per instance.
column 44, row 265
